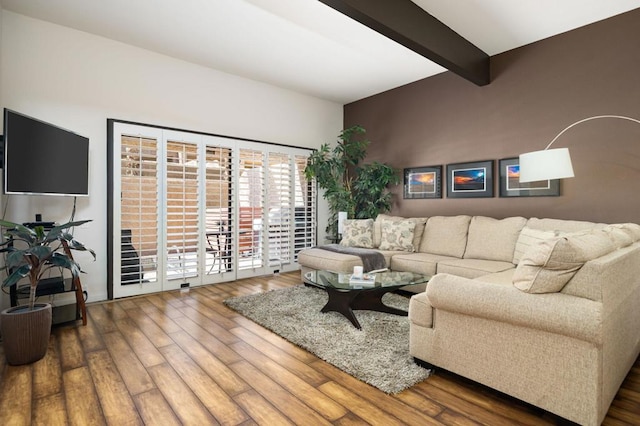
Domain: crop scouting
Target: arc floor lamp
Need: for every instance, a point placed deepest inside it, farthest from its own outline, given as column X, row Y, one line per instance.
column 554, row 163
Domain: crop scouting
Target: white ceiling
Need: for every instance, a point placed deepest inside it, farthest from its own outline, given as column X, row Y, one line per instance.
column 306, row 46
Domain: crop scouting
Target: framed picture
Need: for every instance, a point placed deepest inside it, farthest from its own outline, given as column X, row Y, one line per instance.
column 423, row 182
column 470, row 180
column 510, row 185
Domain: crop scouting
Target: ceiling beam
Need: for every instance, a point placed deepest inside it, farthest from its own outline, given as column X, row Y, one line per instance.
column 408, row 24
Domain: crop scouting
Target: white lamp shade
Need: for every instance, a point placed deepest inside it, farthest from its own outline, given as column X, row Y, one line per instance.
column 545, row 165
column 342, row 216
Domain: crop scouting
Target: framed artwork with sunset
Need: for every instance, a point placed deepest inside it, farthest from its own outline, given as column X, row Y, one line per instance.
column 423, row 182
column 510, row 185
column 470, row 180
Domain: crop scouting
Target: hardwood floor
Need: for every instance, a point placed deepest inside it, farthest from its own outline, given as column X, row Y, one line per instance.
column 184, row 358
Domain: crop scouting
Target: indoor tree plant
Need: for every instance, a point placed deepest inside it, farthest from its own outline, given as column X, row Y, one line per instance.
column 359, row 190
column 30, row 253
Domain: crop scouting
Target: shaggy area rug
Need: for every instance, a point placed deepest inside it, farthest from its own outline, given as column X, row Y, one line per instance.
column 378, row 354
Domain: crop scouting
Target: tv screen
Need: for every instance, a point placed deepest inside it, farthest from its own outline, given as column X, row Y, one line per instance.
column 43, row 159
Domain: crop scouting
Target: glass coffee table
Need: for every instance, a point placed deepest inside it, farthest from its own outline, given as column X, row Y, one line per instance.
column 345, row 296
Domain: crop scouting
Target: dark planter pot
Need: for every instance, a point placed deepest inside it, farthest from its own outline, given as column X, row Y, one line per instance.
column 25, row 333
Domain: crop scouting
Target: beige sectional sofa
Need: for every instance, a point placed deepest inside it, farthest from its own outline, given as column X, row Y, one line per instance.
column 545, row 310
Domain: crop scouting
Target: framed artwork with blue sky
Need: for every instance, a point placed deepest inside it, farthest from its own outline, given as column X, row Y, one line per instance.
column 470, row 180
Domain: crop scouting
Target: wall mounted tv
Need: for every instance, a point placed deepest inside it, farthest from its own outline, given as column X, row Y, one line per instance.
column 43, row 159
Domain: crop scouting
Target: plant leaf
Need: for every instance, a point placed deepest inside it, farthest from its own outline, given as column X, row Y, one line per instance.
column 41, row 252
column 56, row 233
column 63, row 261
column 77, row 245
column 16, row 259
column 15, row 230
column 17, row 275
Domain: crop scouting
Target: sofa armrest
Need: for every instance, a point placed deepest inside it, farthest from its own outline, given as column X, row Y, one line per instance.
column 420, row 310
column 553, row 312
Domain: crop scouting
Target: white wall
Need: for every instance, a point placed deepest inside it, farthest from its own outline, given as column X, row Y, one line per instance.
column 77, row 80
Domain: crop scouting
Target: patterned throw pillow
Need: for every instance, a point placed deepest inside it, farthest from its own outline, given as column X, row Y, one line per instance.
column 357, row 233
column 397, row 235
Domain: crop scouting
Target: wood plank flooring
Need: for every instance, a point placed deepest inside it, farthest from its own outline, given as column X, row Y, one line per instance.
column 184, row 358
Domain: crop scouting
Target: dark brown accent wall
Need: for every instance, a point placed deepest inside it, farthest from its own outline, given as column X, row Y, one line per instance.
column 536, row 91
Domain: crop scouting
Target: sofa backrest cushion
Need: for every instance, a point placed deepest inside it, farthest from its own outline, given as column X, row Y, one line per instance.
column 562, row 225
column 493, row 239
column 549, row 265
column 632, row 230
column 417, row 232
column 397, row 235
column 618, row 236
column 446, row 235
column 357, row 233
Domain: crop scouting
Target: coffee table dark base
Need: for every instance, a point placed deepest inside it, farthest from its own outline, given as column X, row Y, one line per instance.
column 345, row 302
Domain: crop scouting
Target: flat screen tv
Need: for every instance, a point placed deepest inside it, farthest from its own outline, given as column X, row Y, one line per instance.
column 43, row 159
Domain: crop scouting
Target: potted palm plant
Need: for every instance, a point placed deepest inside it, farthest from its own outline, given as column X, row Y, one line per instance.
column 30, row 253
column 361, row 190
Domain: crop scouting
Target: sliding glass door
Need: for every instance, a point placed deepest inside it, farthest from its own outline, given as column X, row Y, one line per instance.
column 188, row 209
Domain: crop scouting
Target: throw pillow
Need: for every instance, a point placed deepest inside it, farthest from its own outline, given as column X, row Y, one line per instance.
column 550, row 264
column 417, row 233
column 397, row 234
column 528, row 238
column 357, row 233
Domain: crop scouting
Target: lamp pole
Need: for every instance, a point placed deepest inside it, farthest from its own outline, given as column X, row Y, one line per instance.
column 621, row 117
column 555, row 163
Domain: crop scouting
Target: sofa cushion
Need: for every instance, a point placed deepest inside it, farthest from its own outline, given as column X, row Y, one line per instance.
column 417, row 232
column 549, row 265
column 389, row 255
column 619, row 237
column 563, row 225
column 632, row 229
column 320, row 259
column 502, row 278
column 472, row 268
column 420, row 263
column 529, row 237
column 357, row 233
column 493, row 239
column 397, row 235
column 445, row 235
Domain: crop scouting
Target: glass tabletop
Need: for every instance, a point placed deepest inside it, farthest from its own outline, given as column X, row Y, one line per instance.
column 387, row 279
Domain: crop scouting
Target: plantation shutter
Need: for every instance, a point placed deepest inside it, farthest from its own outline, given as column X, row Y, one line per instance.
column 139, row 209
column 220, row 243
column 251, row 195
column 279, row 216
column 181, row 210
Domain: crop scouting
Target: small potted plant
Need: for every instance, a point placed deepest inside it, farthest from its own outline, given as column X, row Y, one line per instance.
column 30, row 252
